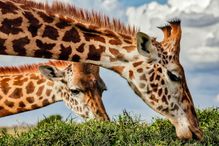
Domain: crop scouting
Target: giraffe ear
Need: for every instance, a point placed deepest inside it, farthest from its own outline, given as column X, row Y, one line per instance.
column 50, row 72
column 144, row 45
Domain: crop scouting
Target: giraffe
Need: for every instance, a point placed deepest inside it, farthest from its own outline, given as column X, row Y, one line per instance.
column 79, row 85
column 61, row 31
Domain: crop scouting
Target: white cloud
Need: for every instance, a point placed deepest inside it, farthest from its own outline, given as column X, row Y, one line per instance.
column 200, row 26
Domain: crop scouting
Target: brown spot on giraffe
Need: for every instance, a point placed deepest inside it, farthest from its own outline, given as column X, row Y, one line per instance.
column 8, row 7
column 19, row 45
column 126, row 37
column 4, row 112
column 152, row 97
column 80, row 49
column 35, row 106
column 162, row 82
column 75, row 102
column 95, row 54
column 127, row 41
column 135, row 64
column 160, row 107
column 95, row 37
column 40, row 90
column 17, row 93
column 62, row 24
column 110, row 34
column 11, row 26
column 19, row 109
column 118, row 69
column 114, row 51
column 45, row 102
column 157, row 77
column 3, row 48
column 115, row 42
column 50, row 32
column 21, row 104
column 139, row 70
column 30, row 87
column 129, row 48
column 165, row 91
column 166, row 110
column 53, row 98
column 91, row 29
column 164, row 99
column 160, row 91
column 44, row 48
column 71, row 35
column 45, row 17
column 9, row 103
column 34, row 77
column 175, row 107
column 40, row 81
column 76, row 58
column 48, row 92
column 30, row 99
column 131, row 74
column 5, row 86
column 65, row 52
column 154, row 85
column 152, row 77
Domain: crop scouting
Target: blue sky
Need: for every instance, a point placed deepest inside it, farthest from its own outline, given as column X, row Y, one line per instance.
column 199, row 54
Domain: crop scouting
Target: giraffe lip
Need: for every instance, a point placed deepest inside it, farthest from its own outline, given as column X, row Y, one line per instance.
column 196, row 133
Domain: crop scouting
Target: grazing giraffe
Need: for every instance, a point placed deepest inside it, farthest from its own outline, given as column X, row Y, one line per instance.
column 63, row 32
column 79, row 85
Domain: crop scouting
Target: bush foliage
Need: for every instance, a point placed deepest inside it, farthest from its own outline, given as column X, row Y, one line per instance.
column 125, row 130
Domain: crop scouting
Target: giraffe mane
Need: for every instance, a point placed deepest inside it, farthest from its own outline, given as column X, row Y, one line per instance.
column 81, row 15
column 4, row 70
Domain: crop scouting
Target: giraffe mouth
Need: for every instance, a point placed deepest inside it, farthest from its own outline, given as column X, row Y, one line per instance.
column 196, row 133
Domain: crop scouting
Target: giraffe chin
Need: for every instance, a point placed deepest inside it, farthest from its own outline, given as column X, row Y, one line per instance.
column 186, row 130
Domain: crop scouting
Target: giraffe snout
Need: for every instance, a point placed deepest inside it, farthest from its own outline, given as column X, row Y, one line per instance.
column 186, row 130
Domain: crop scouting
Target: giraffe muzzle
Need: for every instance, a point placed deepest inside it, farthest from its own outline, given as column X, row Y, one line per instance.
column 188, row 128
column 196, row 133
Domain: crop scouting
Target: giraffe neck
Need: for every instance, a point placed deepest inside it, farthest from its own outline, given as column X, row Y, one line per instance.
column 25, row 92
column 33, row 31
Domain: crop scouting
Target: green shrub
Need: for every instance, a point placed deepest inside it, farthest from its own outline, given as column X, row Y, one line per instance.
column 124, row 130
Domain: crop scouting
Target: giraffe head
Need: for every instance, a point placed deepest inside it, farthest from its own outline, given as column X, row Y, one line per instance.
column 159, row 78
column 82, row 88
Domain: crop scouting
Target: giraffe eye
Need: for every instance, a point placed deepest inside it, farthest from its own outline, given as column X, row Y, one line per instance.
column 75, row 91
column 173, row 77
